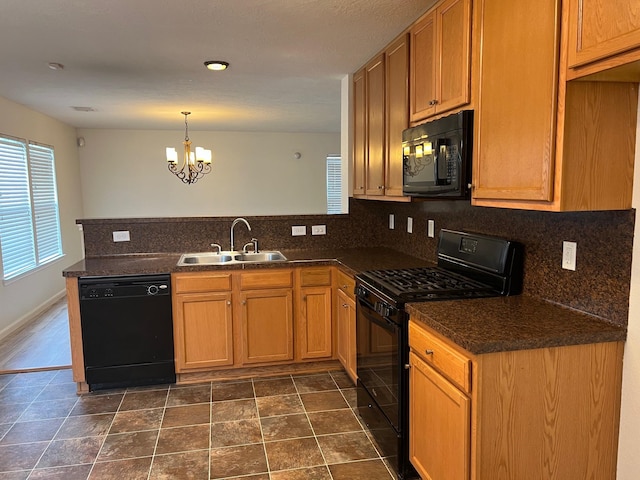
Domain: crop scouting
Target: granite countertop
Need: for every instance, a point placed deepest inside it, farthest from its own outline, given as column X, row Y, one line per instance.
column 519, row 322
column 354, row 260
column 478, row 325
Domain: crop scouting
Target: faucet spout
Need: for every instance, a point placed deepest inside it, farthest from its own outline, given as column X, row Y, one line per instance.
column 235, row 222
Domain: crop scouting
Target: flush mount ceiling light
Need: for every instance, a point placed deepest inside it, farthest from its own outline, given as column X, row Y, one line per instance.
column 216, row 65
column 194, row 164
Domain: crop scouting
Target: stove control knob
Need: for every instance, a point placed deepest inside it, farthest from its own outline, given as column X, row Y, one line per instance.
column 384, row 309
column 361, row 291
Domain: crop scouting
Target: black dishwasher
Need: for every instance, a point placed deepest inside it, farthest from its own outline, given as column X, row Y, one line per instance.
column 127, row 330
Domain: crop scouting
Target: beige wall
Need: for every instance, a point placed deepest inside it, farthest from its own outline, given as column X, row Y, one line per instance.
column 124, row 174
column 26, row 295
column 628, row 458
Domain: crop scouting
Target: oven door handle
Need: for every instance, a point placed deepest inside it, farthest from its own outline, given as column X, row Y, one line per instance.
column 379, row 320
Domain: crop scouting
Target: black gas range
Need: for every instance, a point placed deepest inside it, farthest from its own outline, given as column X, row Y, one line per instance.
column 469, row 266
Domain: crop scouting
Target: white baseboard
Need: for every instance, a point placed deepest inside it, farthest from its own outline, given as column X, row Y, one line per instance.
column 29, row 316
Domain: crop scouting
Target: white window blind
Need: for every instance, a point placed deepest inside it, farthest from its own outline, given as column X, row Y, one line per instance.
column 334, row 184
column 29, row 220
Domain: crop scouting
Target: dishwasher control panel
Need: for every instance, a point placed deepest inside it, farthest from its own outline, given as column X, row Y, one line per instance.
column 124, row 286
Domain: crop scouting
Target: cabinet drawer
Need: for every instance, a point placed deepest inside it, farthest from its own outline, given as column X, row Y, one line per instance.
column 266, row 279
column 201, row 282
column 347, row 284
column 441, row 356
column 313, row 277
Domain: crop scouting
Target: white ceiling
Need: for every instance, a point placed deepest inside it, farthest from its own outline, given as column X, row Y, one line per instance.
column 139, row 63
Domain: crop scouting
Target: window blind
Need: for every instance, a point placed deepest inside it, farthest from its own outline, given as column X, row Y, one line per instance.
column 29, row 220
column 334, row 184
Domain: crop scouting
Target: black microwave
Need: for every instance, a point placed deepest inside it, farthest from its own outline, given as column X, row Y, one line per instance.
column 437, row 157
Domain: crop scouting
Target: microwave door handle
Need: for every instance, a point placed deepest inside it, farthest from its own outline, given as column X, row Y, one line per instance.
column 441, row 173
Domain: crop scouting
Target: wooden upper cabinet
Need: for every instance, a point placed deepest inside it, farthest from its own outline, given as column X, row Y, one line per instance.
column 516, row 115
column 441, row 59
column 397, row 112
column 359, row 132
column 602, row 28
column 543, row 143
column 375, row 101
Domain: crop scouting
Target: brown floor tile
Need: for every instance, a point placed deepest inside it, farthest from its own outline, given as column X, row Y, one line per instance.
column 20, row 457
column 90, row 404
column 128, row 445
column 142, row 400
column 296, row 453
column 85, row 426
column 62, row 376
column 182, row 466
column 6, row 379
column 20, row 475
column 131, row 469
column 4, row 428
column 365, row 470
column 34, row 379
column 72, row 451
column 286, row 426
column 315, row 383
column 189, row 395
column 50, row 409
column 313, row 473
column 278, row 386
column 74, row 472
column 350, row 395
column 11, row 412
column 183, row 439
column 342, row 379
column 346, row 447
column 315, row 402
column 240, row 432
column 186, row 415
column 136, row 420
column 234, row 410
column 260, row 476
column 12, row 394
column 58, row 391
column 237, row 461
column 29, row 432
column 334, row 421
column 279, row 405
column 231, row 391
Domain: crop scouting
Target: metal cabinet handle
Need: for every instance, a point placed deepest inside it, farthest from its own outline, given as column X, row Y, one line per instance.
column 244, row 302
column 380, row 187
column 428, row 352
column 229, row 302
column 344, row 305
column 433, row 102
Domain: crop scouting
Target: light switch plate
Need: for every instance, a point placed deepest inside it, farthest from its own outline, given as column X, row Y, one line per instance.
column 298, row 231
column 121, row 236
column 409, row 225
column 431, row 229
column 569, row 250
column 392, row 221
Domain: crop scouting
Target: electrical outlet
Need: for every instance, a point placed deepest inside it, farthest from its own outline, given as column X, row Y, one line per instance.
column 392, row 221
column 319, row 230
column 409, row 225
column 569, row 250
column 431, row 229
column 121, row 236
column 298, row 231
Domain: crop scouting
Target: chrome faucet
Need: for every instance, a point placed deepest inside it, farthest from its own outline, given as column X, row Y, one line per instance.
column 235, row 222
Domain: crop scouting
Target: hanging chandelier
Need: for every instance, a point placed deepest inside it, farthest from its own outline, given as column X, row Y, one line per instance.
column 194, row 164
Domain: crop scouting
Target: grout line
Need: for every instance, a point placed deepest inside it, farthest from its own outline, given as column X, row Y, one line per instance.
column 155, row 447
column 264, row 443
column 115, row 414
column 210, row 428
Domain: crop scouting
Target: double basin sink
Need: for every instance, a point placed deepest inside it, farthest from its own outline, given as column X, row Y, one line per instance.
column 226, row 258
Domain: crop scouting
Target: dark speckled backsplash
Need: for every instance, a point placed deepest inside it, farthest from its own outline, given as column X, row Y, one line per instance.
column 600, row 284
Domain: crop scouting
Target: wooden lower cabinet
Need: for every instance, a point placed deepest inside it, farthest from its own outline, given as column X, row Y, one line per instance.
column 346, row 324
column 440, row 435
column 549, row 413
column 203, row 324
column 314, row 332
column 267, row 325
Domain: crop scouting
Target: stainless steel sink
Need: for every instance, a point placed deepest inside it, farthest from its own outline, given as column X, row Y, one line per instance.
column 225, row 258
column 261, row 257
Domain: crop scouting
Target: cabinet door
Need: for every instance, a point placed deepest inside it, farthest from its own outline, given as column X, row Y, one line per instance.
column 314, row 332
column 375, row 73
column 397, row 108
column 453, row 26
column 440, row 428
column 423, row 68
column 516, row 115
column 359, row 133
column 602, row 28
column 346, row 323
column 203, row 328
column 267, row 323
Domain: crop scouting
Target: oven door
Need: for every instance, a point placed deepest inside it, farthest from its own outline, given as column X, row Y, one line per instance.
column 378, row 360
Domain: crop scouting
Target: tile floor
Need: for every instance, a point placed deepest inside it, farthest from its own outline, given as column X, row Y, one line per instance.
column 289, row 428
